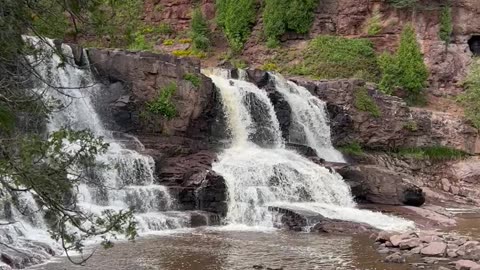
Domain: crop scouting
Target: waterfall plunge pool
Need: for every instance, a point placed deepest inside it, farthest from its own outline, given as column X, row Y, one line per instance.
column 219, row 249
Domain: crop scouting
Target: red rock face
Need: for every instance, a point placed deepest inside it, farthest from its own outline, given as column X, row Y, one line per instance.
column 448, row 66
column 176, row 13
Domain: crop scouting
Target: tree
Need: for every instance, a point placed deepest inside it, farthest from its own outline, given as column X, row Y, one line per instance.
column 406, row 69
column 200, row 33
column 470, row 99
column 446, row 27
column 42, row 165
column 236, row 17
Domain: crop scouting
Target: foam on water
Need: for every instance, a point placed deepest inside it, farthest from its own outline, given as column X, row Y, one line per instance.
column 263, row 173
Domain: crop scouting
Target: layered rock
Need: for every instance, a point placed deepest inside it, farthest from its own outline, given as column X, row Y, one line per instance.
column 183, row 147
column 397, row 126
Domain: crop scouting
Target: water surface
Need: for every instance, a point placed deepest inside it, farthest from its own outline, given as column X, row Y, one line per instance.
column 228, row 250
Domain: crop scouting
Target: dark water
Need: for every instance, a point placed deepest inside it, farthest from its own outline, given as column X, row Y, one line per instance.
column 228, row 250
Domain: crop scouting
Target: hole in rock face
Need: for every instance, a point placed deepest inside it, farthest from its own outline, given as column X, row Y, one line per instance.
column 474, row 44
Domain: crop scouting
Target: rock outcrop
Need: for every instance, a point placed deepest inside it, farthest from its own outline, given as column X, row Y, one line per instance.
column 183, row 147
column 382, row 186
column 397, row 126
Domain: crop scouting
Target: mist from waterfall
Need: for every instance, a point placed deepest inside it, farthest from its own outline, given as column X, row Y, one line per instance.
column 259, row 170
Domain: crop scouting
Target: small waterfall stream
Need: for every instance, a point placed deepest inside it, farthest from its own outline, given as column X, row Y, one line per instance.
column 263, row 173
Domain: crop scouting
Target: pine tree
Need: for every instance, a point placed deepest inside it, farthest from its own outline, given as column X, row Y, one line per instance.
column 446, row 27
column 413, row 71
column 200, row 32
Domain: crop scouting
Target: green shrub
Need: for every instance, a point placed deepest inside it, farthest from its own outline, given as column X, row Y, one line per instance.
column 168, row 42
column 238, row 63
column 353, row 149
column 280, row 16
column 163, row 104
column 405, row 69
column 236, row 17
column 332, row 57
column 140, row 43
column 411, row 126
column 189, row 53
column 164, row 29
column 446, row 27
column 185, row 41
column 365, row 103
column 194, row 79
column 470, row 99
column 200, row 33
column 432, row 153
column 374, row 24
column 269, row 67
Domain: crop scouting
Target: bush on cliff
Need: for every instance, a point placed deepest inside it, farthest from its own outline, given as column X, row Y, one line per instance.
column 163, row 104
column 332, row 57
column 280, row 16
column 236, row 17
column 406, row 69
column 470, row 99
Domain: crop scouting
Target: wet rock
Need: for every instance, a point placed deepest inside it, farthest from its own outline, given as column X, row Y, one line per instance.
column 258, row 77
column 343, row 227
column 383, row 237
column 466, row 265
column 383, row 186
column 395, row 258
column 396, row 239
column 434, row 249
column 296, row 218
column 409, row 244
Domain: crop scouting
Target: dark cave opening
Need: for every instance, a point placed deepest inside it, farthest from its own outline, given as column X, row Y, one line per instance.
column 474, row 44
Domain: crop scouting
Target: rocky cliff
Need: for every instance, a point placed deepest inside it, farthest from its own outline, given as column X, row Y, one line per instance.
column 349, row 18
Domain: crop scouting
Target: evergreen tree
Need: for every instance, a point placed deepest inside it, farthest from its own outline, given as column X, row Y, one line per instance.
column 446, row 27
column 406, row 69
column 200, row 32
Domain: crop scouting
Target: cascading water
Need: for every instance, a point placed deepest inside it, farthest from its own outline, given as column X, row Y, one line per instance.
column 262, row 173
column 309, row 119
column 126, row 183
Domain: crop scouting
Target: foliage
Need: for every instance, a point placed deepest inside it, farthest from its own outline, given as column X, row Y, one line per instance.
column 163, row 104
column 403, row 3
column 269, row 66
column 140, row 43
column 470, row 99
column 185, row 41
column 353, row 149
column 331, row 57
column 200, row 33
column 168, row 42
column 164, row 29
column 432, row 153
column 365, row 103
column 194, row 79
column 236, row 17
column 411, row 126
column 238, row 63
column 406, row 69
column 280, row 16
column 374, row 24
column 189, row 53
column 48, row 166
column 446, row 26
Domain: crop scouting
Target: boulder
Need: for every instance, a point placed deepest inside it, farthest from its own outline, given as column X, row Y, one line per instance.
column 435, row 249
column 409, row 244
column 466, row 265
column 383, row 186
column 295, row 218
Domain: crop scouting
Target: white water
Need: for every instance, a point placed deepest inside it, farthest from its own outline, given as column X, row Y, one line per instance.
column 127, row 182
column 259, row 176
column 309, row 119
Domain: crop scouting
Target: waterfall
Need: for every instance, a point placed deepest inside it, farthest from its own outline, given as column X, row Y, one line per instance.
column 263, row 173
column 309, row 119
column 126, row 183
